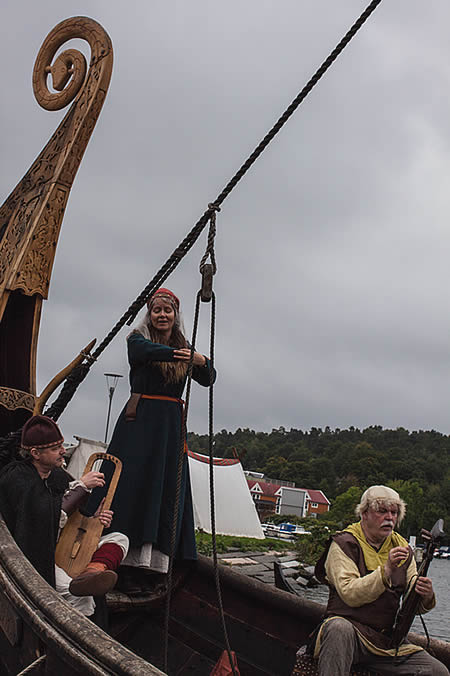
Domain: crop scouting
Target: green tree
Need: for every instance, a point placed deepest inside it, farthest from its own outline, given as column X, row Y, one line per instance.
column 310, row 548
column 412, row 494
column 343, row 509
column 275, row 467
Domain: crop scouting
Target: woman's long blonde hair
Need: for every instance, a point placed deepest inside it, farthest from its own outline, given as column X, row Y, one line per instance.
column 173, row 371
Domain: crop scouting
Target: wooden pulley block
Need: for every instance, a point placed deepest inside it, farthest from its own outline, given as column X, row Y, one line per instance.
column 207, row 283
column 79, row 537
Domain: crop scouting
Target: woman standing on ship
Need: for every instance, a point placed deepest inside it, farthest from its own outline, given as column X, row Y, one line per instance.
column 147, row 438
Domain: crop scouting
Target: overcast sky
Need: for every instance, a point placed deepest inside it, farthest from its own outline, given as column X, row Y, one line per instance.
column 333, row 252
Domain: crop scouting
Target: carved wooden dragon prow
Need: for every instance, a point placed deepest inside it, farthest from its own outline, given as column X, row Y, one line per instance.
column 31, row 217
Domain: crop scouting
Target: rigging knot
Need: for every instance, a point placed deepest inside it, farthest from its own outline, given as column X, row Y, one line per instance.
column 179, row 253
column 88, row 357
column 213, row 206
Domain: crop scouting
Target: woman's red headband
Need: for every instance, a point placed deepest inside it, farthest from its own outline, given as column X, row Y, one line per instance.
column 163, row 292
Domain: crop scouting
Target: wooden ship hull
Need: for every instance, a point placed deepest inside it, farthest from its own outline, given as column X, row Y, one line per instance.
column 265, row 625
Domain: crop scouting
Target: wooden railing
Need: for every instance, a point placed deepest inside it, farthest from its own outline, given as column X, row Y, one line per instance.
column 35, row 621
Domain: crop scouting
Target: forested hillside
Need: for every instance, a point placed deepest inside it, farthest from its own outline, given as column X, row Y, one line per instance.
column 338, row 460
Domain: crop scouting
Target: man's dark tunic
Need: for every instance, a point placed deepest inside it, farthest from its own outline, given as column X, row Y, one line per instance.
column 31, row 508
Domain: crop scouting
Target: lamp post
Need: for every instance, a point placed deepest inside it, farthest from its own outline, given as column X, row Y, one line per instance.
column 111, row 385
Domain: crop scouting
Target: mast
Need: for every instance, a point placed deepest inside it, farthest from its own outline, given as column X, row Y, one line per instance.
column 31, row 217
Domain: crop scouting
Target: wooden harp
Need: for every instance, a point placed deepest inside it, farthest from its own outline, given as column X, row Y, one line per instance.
column 79, row 537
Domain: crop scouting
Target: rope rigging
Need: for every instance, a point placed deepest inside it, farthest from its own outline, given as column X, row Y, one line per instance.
column 205, row 295
column 80, row 372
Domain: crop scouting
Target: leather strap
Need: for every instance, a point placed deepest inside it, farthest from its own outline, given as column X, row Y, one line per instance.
column 131, row 409
column 162, row 397
column 133, row 401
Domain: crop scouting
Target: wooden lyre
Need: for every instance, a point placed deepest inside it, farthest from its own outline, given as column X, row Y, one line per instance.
column 79, row 537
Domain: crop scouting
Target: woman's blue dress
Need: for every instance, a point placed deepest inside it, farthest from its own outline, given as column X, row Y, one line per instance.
column 149, row 449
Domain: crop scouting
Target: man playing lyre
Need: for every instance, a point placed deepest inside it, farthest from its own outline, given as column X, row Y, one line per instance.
column 36, row 497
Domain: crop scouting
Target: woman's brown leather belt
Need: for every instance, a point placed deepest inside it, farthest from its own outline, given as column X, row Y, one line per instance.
column 163, row 397
column 133, row 401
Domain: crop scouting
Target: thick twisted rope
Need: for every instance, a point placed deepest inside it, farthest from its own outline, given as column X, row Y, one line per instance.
column 176, row 504
column 297, row 101
column 169, row 266
column 210, row 252
column 211, row 483
column 9, row 447
column 193, row 235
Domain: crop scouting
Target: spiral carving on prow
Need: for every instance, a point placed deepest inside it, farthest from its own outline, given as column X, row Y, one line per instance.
column 68, row 71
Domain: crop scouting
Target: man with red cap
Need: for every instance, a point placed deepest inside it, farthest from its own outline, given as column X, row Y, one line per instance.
column 36, row 497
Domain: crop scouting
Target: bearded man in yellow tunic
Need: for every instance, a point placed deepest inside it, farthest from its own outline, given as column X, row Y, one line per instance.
column 368, row 567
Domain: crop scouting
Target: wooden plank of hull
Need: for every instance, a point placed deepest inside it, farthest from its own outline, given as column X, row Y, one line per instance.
column 265, row 626
column 144, row 636
column 51, row 626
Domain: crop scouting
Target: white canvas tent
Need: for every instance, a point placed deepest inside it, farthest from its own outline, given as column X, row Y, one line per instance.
column 80, row 454
column 235, row 511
